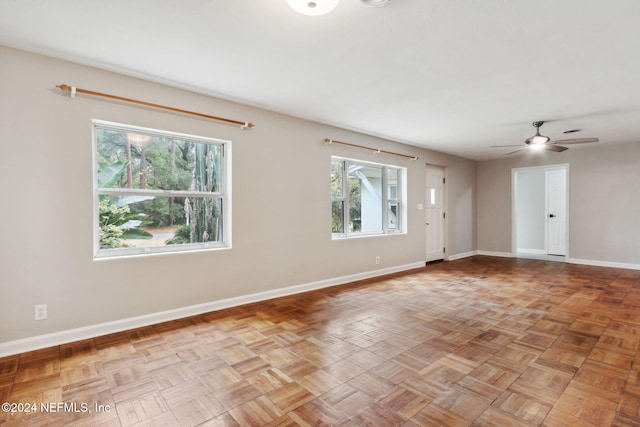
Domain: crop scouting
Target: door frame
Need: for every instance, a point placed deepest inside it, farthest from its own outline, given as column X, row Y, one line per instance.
column 514, row 212
column 445, row 255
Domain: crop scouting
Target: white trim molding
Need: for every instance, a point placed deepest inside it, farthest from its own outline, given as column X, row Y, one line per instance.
column 500, row 254
column 63, row 337
column 604, row 263
column 462, row 255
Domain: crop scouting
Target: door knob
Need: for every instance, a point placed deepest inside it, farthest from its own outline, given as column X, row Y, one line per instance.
column 552, row 216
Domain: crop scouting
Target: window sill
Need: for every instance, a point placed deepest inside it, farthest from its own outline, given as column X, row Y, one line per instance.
column 137, row 253
column 366, row 235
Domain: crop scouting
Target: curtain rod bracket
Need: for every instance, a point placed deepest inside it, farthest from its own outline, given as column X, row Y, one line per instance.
column 67, row 88
column 328, row 141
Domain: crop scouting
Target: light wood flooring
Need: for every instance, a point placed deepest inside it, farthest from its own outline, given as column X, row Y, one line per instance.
column 481, row 341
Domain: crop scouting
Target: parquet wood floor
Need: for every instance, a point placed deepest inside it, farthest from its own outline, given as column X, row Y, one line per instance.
column 481, row 341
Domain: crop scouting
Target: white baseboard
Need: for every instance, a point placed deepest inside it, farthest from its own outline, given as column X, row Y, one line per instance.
column 573, row 261
column 462, row 255
column 500, row 254
column 92, row 331
column 604, row 263
column 531, row 251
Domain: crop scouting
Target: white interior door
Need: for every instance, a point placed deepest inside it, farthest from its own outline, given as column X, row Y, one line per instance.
column 556, row 194
column 434, row 214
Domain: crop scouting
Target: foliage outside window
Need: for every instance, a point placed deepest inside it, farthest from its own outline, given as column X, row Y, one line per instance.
column 366, row 198
column 159, row 191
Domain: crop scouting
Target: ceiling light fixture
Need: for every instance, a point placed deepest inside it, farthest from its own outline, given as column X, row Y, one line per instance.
column 375, row 3
column 537, row 139
column 313, row 7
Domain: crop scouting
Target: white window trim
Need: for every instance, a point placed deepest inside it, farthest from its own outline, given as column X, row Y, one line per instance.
column 401, row 195
column 225, row 196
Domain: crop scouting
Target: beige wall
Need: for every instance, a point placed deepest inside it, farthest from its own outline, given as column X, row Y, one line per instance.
column 281, row 205
column 604, row 201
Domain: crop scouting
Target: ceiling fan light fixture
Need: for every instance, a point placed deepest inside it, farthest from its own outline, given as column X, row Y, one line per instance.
column 313, row 7
column 536, row 147
column 375, row 3
column 538, row 139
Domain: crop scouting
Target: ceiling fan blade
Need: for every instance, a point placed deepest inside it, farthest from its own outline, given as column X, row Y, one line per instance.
column 557, row 148
column 516, row 151
column 575, row 141
column 500, row 146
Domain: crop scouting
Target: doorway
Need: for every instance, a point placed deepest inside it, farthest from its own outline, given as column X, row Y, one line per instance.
column 434, row 213
column 540, row 220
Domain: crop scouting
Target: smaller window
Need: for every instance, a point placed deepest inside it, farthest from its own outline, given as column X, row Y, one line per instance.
column 366, row 198
column 159, row 191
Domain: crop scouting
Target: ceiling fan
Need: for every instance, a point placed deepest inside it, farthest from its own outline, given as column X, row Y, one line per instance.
column 541, row 142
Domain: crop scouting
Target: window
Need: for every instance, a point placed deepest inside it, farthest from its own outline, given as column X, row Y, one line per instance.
column 159, row 191
column 366, row 198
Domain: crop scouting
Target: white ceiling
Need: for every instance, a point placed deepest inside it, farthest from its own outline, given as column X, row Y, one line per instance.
column 452, row 75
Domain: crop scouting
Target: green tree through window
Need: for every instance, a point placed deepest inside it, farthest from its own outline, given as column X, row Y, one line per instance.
column 165, row 191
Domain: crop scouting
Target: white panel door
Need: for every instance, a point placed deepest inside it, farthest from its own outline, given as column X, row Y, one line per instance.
column 556, row 212
column 434, row 209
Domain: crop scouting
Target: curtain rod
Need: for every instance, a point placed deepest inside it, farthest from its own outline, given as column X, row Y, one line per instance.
column 73, row 90
column 328, row 141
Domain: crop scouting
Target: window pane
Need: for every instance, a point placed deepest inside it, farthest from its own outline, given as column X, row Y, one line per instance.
column 337, row 177
column 392, row 184
column 147, row 222
column 152, row 162
column 355, row 205
column 365, row 198
column 394, row 214
column 205, row 219
column 337, row 217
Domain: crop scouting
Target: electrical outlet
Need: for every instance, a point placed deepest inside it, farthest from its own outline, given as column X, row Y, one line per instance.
column 41, row 312
column 377, row 260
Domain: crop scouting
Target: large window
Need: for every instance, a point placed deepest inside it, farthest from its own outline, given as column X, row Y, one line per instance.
column 366, row 198
column 159, row 191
